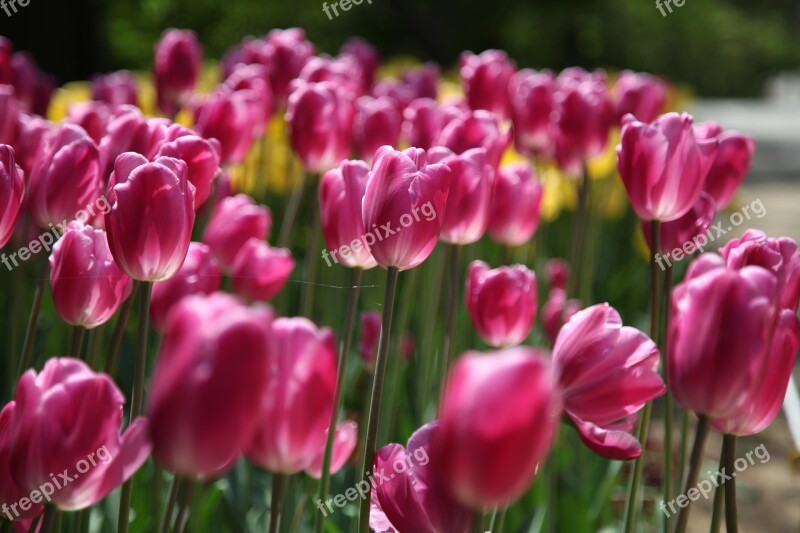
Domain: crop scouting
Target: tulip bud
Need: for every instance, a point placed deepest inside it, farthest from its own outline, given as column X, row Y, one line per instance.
column 377, row 123
column 478, row 129
column 115, row 89
column 583, row 119
column 341, row 192
column 33, row 131
column 51, row 433
column 176, row 68
column 423, row 121
column 199, row 275
column 486, row 453
column 367, row 56
column 288, row 51
column 731, row 163
column 210, row 375
column 642, row 95
column 532, row 100
column 130, row 131
column 151, row 217
column 501, row 302
column 254, row 78
column 663, row 165
column 260, row 271
column 88, row 286
column 344, row 72
column 201, row 156
column 232, row 118
column 514, row 212
column 403, row 207
column 65, row 178
column 485, row 78
column 12, row 187
column 236, row 220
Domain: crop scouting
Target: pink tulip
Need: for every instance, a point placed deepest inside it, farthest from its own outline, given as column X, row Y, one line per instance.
column 12, row 187
column 423, row 121
column 781, row 256
column 467, row 215
column 259, row 271
column 10, row 494
column 487, row 453
column 33, row 132
column 202, row 158
column 663, row 165
column 320, row 117
column 607, row 373
column 117, row 88
column 236, row 220
column 415, row 497
column 677, row 233
column 403, row 206
column 501, row 302
column 366, row 55
column 52, row 433
column 9, row 116
column 583, row 119
column 642, row 95
column 485, row 78
column 532, row 100
column 232, row 118
column 731, row 164
column 341, row 192
column 288, row 52
column 6, row 53
column 516, row 203
column 176, row 68
column 88, row 286
column 579, row 75
column 33, row 87
column 65, row 177
column 557, row 311
column 254, row 78
column 345, row 442
column 423, row 80
column 478, row 129
column 199, row 275
column 92, row 116
column 557, row 273
column 151, row 217
column 370, row 334
column 377, row 123
column 297, row 402
column 344, row 72
column 210, row 374
column 130, row 131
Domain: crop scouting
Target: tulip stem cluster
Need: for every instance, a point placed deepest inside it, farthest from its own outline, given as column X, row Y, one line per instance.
column 729, row 458
column 452, row 307
column 117, row 336
column 278, row 489
column 668, row 405
column 695, row 463
column 292, row 208
column 33, row 322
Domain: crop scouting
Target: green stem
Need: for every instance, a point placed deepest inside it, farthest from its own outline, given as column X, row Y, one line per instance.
column 278, row 488
column 174, row 487
column 684, row 450
column 668, row 407
column 501, row 519
column 719, row 498
column 695, row 463
column 26, row 358
column 117, row 335
column 312, row 258
column 344, row 353
column 579, row 232
column 729, row 458
column 428, row 356
column 49, row 519
column 452, row 308
column 78, row 333
column 183, row 507
column 292, row 208
column 92, row 353
column 632, row 505
column 371, row 438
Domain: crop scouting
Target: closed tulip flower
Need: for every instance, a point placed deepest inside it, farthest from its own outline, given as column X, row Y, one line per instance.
column 260, row 271
column 344, row 443
column 32, row 86
column 92, row 116
column 583, row 118
column 557, row 311
column 115, row 89
column 51, row 433
column 607, row 372
column 287, row 51
column 236, row 220
column 88, row 286
column 485, row 79
column 486, row 453
column 514, row 212
column 502, row 302
column 151, row 217
column 65, row 178
column 12, row 187
column 130, row 131
column 377, row 122
column 415, row 498
column 478, row 129
column 320, row 117
column 679, row 232
column 366, row 55
column 296, row 405
column 467, row 214
column 33, row 131
column 202, row 158
column 254, row 78
column 199, row 274
column 532, row 100
column 341, row 192
column 731, row 164
column 663, row 165
column 423, row 121
column 176, row 68
column 344, row 72
column 640, row 94
column 10, row 494
column 210, row 374
column 403, row 207
column 232, row 118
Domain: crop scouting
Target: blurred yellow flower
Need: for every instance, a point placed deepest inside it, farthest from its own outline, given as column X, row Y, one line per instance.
column 65, row 96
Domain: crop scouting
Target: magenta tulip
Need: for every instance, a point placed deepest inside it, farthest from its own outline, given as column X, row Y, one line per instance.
column 65, row 178
column 478, row 129
column 210, row 375
column 288, row 51
column 202, row 158
column 341, row 192
column 642, row 95
column 467, row 214
column 236, row 220
column 414, row 498
column 115, row 89
column 370, row 334
column 151, row 217
column 368, row 59
column 557, row 311
column 199, row 275
column 232, row 118
column 297, row 402
column 532, row 100
column 92, row 116
column 485, row 78
column 404, row 204
column 10, row 494
column 254, row 78
column 501, row 302
column 130, row 131
column 663, row 165
column 344, row 72
column 9, row 116
column 557, row 273
column 423, row 121
column 345, row 442
column 259, row 271
column 33, row 87
column 607, row 373
column 377, row 123
column 514, row 212
column 583, row 117
column 88, row 286
column 51, row 432
column 731, row 164
column 488, row 454
column 176, row 68
column 12, row 188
